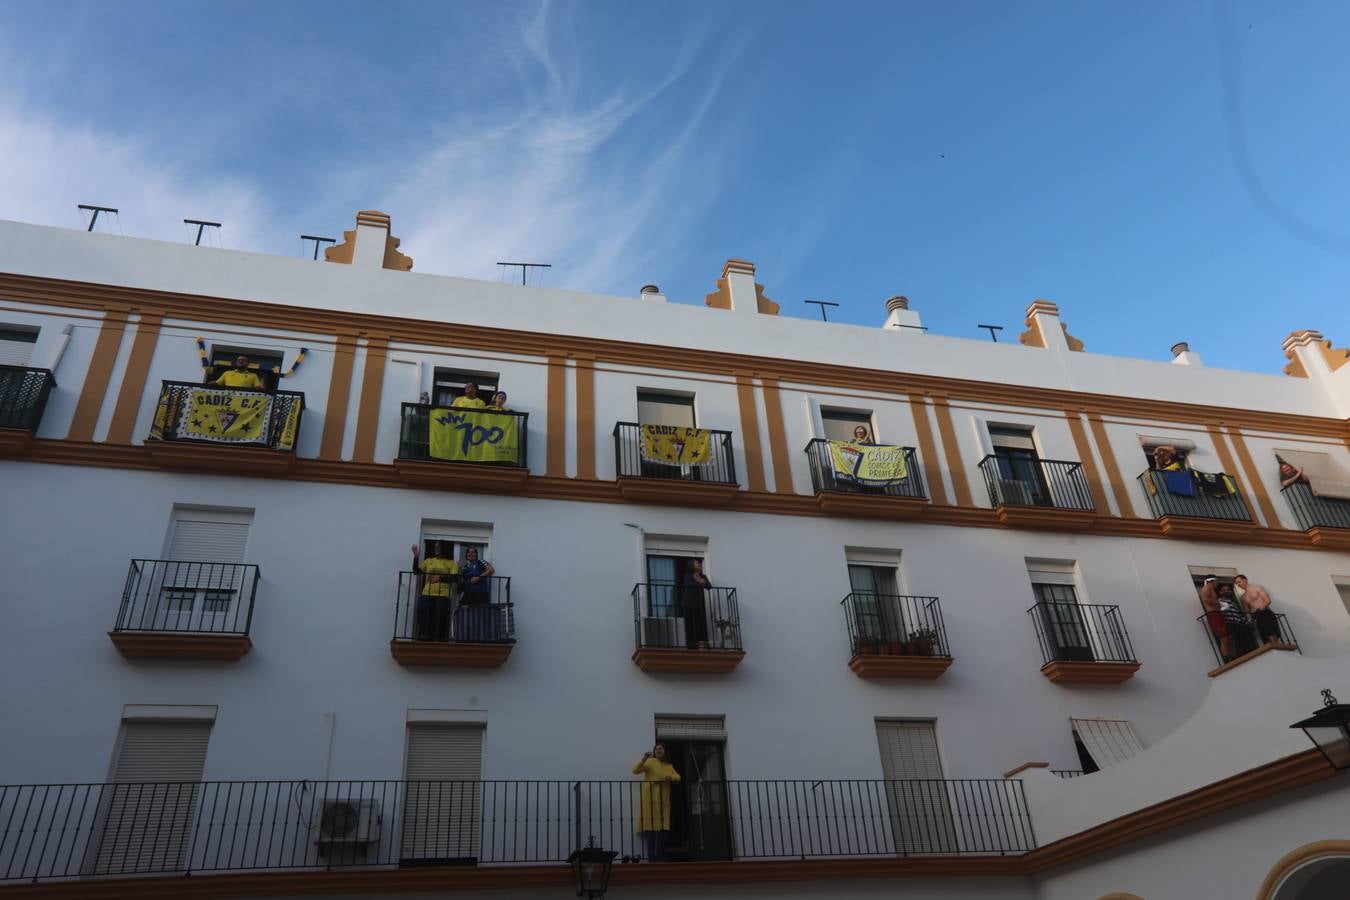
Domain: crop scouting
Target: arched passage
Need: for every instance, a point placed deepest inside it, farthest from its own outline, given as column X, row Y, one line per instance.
column 1316, row 871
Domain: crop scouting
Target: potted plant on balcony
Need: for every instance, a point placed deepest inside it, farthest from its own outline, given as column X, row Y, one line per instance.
column 867, row 646
column 924, row 641
column 897, row 648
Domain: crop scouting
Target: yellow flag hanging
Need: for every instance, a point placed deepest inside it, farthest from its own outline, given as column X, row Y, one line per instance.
column 870, row 465
column 475, row 435
column 676, row 445
column 290, row 423
column 228, row 417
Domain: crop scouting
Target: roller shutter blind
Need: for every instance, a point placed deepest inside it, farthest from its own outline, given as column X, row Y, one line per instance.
column 16, row 346
column 691, row 728
column 443, row 813
column 1108, row 741
column 916, row 795
column 149, row 809
column 202, row 537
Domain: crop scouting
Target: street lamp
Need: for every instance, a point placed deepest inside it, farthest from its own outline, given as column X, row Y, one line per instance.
column 1329, row 730
column 590, row 869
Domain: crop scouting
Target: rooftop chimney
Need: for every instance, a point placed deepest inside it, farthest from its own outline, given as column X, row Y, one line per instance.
column 652, row 293
column 899, row 317
column 1182, row 355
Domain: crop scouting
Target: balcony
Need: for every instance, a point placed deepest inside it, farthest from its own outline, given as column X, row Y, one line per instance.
column 836, row 494
column 460, row 449
column 1326, row 519
column 23, row 397
column 1038, row 493
column 895, row 636
column 202, row 427
column 185, row 610
column 456, row 629
column 1083, row 643
column 707, row 479
column 1186, row 508
column 469, row 829
column 1238, row 637
column 679, row 629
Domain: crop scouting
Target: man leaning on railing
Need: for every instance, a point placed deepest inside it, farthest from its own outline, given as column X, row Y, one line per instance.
column 241, row 376
column 1256, row 600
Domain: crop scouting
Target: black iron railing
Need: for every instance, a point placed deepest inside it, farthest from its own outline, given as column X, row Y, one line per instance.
column 1236, row 634
column 675, row 616
column 1313, row 511
column 1081, row 632
column 451, row 608
column 825, row 478
column 1167, row 495
column 894, row 625
column 23, row 396
column 1068, row 773
column 208, row 413
column 720, row 467
column 479, row 436
column 188, row 597
column 1042, row 482
column 74, row 830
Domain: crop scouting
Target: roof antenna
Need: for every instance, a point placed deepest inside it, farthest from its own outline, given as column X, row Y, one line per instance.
column 317, row 241
column 96, row 210
column 822, row 304
column 201, row 226
column 993, row 330
column 525, row 266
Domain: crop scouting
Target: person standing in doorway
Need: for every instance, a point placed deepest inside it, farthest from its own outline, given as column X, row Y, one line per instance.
column 1214, row 618
column 240, row 376
column 432, row 619
column 498, row 403
column 1256, row 600
column 474, row 620
column 693, row 598
column 469, row 399
column 654, row 816
column 1239, row 623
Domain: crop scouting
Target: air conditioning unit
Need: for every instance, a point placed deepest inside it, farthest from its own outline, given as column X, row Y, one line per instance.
column 1014, row 493
column 350, row 822
column 662, row 631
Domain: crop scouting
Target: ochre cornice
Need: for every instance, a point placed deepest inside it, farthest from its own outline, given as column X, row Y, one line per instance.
column 228, row 311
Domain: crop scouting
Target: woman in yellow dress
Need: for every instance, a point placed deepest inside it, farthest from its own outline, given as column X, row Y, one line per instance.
column 654, row 817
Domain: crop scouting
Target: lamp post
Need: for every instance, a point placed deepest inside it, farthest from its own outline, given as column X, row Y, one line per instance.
column 1329, row 730
column 590, row 869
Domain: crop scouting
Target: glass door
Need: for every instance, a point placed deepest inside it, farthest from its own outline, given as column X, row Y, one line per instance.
column 700, row 822
column 1062, row 623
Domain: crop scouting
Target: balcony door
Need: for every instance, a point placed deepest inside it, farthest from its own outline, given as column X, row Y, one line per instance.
column 876, row 612
column 1062, row 622
column 916, row 794
column 1021, row 478
column 700, row 821
column 673, row 617
column 666, row 409
column 443, row 810
column 201, row 576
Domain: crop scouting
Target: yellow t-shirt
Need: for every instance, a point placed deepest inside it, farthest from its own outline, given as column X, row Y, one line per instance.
column 237, row 379
column 470, row 402
column 435, row 584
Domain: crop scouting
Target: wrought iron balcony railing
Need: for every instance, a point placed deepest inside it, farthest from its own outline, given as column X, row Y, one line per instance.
column 671, row 616
column 719, row 468
column 1081, row 632
column 1313, row 511
column 824, row 478
column 1171, row 498
column 481, row 437
column 23, row 396
column 90, row 830
column 165, row 595
column 1235, row 635
column 894, row 625
column 1058, row 484
column 211, row 414
column 447, row 608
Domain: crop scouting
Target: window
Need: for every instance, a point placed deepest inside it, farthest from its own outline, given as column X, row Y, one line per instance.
column 146, row 826
column 449, row 384
column 1020, row 479
column 656, row 408
column 266, row 363
column 842, row 425
column 16, row 344
column 673, row 617
column 442, row 818
column 916, row 795
column 203, row 572
column 1062, row 624
column 1180, row 447
column 457, row 538
column 1104, row 742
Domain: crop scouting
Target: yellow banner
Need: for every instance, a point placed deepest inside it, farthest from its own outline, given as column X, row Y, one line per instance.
column 676, row 445
column 475, row 435
column 290, row 424
column 870, row 465
column 225, row 416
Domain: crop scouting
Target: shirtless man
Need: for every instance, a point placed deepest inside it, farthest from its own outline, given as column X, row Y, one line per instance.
column 1256, row 600
column 1209, row 599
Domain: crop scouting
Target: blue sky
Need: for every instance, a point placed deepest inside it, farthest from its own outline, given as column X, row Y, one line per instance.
column 1163, row 171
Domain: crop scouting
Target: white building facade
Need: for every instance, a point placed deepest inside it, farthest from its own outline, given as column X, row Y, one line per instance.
column 221, row 662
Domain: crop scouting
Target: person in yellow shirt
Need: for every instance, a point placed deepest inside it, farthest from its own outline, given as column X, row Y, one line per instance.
column 470, row 398
column 240, row 376
column 654, row 816
column 432, row 619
